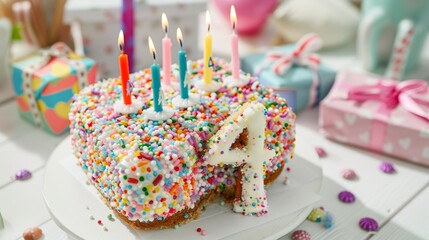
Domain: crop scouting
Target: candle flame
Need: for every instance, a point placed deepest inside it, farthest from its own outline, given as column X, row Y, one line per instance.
column 152, row 48
column 233, row 16
column 121, row 40
column 164, row 21
column 208, row 20
column 179, row 37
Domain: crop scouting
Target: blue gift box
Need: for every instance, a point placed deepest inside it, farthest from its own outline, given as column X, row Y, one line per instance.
column 295, row 84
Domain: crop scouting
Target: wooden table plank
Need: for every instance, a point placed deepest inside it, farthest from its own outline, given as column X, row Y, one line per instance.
column 29, row 151
column 11, row 125
column 22, row 206
column 412, row 222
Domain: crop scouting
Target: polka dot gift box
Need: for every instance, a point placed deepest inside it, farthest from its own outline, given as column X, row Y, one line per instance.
column 379, row 114
column 45, row 82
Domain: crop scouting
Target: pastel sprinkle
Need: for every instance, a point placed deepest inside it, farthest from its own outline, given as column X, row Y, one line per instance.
column 368, row 224
column 316, row 215
column 301, row 235
column 110, row 217
column 204, row 232
column 23, row 174
column 387, row 167
column 346, row 197
column 328, row 220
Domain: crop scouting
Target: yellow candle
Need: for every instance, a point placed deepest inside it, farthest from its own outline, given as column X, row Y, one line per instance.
column 207, row 52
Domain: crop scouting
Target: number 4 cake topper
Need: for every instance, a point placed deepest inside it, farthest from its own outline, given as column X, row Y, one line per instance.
column 251, row 197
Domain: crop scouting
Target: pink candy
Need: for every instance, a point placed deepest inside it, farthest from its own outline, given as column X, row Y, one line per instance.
column 348, row 174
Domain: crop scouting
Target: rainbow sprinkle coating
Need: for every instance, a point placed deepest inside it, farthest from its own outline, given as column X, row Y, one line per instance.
column 150, row 170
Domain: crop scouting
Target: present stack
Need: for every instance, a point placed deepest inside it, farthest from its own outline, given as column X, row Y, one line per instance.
column 101, row 22
column 294, row 72
column 44, row 84
column 382, row 115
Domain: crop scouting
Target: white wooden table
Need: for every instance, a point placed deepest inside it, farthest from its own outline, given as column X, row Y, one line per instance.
column 399, row 202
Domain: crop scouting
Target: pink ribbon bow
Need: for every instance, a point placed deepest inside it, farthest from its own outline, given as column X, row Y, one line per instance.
column 391, row 94
column 301, row 55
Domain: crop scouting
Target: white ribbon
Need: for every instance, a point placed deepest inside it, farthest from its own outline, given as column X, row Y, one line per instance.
column 58, row 50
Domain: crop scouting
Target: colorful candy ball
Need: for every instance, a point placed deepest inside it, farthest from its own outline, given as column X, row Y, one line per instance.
column 348, row 174
column 301, row 235
column 368, row 224
column 346, row 197
column 387, row 167
column 32, row 233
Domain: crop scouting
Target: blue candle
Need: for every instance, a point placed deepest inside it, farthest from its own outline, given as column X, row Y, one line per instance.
column 156, row 80
column 182, row 68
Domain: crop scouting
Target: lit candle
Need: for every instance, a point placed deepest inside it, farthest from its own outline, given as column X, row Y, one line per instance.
column 166, row 51
column 235, row 61
column 207, row 52
column 128, row 26
column 156, row 79
column 182, row 67
column 124, row 70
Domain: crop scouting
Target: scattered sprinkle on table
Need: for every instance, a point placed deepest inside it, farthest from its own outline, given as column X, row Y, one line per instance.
column 328, row 220
column 316, row 214
column 320, row 151
column 110, row 217
column 387, row 167
column 346, row 197
column 198, row 229
column 203, row 232
column 368, row 224
column 100, row 222
column 286, row 181
column 301, row 235
column 23, row 174
column 32, row 233
column 91, row 217
column 348, row 174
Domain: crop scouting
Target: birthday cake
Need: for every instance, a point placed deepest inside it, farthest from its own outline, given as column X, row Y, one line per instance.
column 160, row 174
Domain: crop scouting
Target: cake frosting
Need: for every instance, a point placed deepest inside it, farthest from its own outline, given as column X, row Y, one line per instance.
column 156, row 174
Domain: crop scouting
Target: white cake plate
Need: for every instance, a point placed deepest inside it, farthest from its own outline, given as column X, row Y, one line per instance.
column 76, row 206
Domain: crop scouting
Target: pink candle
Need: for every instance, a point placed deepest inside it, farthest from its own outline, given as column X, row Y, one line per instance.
column 166, row 52
column 235, row 60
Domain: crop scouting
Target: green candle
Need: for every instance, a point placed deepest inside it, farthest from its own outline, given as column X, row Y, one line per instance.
column 156, row 80
column 182, row 67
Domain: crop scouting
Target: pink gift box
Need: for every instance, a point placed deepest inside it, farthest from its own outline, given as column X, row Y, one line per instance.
column 378, row 114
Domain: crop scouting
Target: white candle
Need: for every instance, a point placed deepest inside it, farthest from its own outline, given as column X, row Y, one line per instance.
column 235, row 60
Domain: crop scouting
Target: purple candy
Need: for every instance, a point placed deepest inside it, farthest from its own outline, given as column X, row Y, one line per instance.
column 346, row 197
column 387, row 167
column 368, row 224
column 23, row 174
